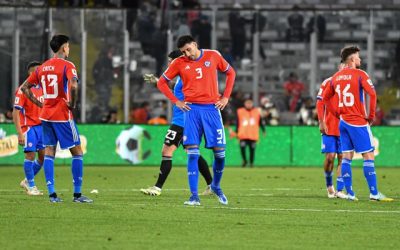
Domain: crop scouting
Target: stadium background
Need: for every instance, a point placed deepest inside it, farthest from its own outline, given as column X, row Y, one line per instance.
column 115, row 42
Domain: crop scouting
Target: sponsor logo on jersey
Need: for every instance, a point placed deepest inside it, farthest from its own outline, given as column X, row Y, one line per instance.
column 187, row 67
column 207, row 63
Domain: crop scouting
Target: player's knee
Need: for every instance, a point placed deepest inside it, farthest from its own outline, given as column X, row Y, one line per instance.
column 330, row 158
column 30, row 156
column 168, row 151
column 219, row 153
column 77, row 150
column 193, row 154
column 368, row 156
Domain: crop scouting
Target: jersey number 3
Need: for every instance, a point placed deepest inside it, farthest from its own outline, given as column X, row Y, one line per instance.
column 51, row 83
column 199, row 73
column 345, row 98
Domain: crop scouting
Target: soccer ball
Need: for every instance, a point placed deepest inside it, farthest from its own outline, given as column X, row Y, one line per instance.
column 129, row 144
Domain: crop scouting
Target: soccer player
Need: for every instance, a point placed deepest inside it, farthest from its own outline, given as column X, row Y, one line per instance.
column 330, row 146
column 29, row 130
column 248, row 126
column 59, row 81
column 202, row 105
column 173, row 139
column 350, row 85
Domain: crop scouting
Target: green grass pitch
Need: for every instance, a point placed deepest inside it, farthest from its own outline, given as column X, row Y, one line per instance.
column 269, row 208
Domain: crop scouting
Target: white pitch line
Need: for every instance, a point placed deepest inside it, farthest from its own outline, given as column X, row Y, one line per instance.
column 310, row 210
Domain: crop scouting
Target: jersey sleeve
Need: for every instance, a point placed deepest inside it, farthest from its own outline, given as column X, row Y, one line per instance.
column 19, row 100
column 172, row 71
column 368, row 86
column 320, row 104
column 222, row 64
column 327, row 94
column 71, row 72
column 33, row 78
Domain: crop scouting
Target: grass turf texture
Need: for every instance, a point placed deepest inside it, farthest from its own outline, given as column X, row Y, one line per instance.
column 269, row 208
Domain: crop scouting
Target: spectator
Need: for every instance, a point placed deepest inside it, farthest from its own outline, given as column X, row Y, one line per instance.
column 131, row 13
column 201, row 31
column 146, row 29
column 379, row 115
column 320, row 25
column 295, row 32
column 269, row 112
column 111, row 117
column 258, row 23
column 103, row 74
column 141, row 115
column 183, row 28
column 159, row 120
column 237, row 30
column 307, row 113
column 8, row 118
column 293, row 91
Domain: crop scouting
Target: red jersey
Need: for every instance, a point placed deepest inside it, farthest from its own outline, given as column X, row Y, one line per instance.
column 350, row 86
column 294, row 88
column 330, row 119
column 199, row 77
column 54, row 76
column 29, row 112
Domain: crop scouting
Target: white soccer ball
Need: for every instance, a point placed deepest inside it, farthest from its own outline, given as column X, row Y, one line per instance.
column 129, row 144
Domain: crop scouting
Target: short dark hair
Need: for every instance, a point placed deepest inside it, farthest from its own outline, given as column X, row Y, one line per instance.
column 174, row 54
column 348, row 51
column 57, row 41
column 32, row 64
column 184, row 40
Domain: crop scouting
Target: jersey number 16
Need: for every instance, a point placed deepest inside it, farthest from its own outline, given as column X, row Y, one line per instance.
column 346, row 98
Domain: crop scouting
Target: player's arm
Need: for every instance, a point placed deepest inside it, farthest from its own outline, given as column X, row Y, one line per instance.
column 162, row 84
column 72, row 77
column 327, row 96
column 230, row 73
column 16, row 120
column 321, row 108
column 74, row 94
column 26, row 89
column 369, row 88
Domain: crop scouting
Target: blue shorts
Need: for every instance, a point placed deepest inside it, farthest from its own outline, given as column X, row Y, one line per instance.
column 203, row 119
column 66, row 133
column 331, row 144
column 356, row 138
column 34, row 139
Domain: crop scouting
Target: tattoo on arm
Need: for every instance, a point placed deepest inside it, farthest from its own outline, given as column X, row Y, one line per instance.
column 74, row 93
column 26, row 89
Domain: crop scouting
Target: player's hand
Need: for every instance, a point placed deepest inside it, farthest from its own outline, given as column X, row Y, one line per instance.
column 183, row 105
column 371, row 120
column 322, row 127
column 21, row 139
column 221, row 103
column 150, row 78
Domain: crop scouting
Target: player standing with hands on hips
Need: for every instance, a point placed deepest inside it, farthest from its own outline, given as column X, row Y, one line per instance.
column 202, row 105
column 350, row 85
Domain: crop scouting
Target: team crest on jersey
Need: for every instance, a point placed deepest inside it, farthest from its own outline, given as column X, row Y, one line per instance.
column 207, row 63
